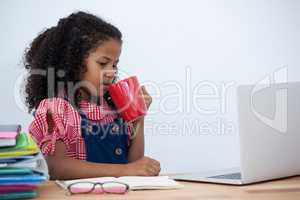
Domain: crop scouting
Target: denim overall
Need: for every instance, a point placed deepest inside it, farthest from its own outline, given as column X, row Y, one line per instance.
column 105, row 143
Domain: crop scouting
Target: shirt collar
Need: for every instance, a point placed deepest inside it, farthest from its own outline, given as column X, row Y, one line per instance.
column 94, row 111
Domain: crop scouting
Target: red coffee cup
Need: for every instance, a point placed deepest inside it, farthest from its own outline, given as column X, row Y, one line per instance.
column 128, row 98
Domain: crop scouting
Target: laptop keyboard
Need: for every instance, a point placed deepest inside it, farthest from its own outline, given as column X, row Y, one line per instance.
column 228, row 176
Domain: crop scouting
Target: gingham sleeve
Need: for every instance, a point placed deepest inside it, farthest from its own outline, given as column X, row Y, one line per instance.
column 54, row 120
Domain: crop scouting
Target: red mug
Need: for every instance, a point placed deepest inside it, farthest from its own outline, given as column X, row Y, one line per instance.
column 128, row 98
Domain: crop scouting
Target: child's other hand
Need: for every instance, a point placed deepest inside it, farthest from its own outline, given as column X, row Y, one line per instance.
column 143, row 167
column 146, row 96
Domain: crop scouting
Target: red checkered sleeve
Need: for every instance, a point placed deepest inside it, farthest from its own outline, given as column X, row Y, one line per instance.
column 55, row 119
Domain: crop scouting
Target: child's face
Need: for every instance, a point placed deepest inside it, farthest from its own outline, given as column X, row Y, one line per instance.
column 101, row 66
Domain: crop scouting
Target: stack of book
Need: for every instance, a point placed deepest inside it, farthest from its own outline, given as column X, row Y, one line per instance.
column 22, row 166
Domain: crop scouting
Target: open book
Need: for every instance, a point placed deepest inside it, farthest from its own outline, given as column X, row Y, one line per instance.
column 134, row 182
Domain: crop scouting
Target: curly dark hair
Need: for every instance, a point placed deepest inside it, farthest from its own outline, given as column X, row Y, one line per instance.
column 63, row 48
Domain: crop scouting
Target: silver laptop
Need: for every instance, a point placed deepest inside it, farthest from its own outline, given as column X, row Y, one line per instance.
column 269, row 132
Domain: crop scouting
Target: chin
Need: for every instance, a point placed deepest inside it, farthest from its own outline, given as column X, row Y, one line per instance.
column 102, row 90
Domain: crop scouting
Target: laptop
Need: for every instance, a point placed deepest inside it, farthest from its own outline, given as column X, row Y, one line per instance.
column 269, row 135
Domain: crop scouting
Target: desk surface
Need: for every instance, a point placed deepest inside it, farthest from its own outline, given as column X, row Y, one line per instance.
column 273, row 190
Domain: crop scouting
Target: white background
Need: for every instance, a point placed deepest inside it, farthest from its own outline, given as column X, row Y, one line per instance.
column 218, row 42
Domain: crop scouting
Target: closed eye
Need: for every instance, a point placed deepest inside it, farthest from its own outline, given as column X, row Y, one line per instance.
column 104, row 64
column 100, row 63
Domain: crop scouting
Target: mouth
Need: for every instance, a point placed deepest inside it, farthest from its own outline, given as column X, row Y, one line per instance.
column 105, row 86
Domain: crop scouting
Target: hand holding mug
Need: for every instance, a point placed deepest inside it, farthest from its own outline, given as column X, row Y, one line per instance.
column 146, row 96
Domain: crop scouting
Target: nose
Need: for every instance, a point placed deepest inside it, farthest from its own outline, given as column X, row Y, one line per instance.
column 109, row 75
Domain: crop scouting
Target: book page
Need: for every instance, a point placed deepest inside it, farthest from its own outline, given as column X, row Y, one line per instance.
column 149, row 182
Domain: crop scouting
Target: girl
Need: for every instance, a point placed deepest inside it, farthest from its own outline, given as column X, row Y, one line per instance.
column 70, row 66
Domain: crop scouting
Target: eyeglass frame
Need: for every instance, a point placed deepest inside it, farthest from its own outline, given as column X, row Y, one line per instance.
column 94, row 186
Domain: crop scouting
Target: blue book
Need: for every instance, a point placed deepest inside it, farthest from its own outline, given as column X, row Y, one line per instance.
column 8, row 160
column 14, row 171
column 25, row 179
column 14, row 159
